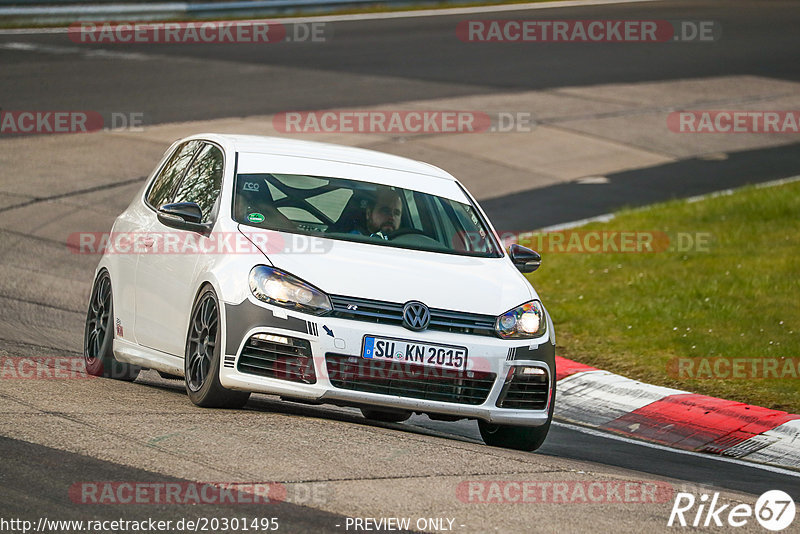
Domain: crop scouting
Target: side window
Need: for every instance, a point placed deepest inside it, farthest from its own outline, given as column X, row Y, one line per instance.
column 203, row 181
column 173, row 170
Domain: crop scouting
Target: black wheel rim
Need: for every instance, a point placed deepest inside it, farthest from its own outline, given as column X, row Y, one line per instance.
column 202, row 342
column 98, row 319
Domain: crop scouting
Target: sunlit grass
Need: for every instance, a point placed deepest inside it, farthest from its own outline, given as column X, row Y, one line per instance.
column 631, row 313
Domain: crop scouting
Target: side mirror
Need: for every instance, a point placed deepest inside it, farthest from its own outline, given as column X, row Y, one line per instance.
column 183, row 216
column 524, row 259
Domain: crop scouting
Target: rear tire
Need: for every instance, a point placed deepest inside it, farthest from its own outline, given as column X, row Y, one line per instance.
column 385, row 416
column 98, row 335
column 521, row 438
column 202, row 357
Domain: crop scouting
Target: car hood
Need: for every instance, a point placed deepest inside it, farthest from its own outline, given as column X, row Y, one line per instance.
column 479, row 285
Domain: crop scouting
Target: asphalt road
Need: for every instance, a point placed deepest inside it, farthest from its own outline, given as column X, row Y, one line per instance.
column 392, row 60
column 363, row 63
column 37, row 480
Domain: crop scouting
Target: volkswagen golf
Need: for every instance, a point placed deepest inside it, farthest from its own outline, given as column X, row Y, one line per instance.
column 323, row 274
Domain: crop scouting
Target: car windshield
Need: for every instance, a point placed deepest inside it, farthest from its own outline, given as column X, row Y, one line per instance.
column 353, row 210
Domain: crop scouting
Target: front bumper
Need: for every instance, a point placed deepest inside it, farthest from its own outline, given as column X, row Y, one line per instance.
column 339, row 338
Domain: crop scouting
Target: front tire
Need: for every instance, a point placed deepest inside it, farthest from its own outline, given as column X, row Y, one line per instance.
column 521, row 438
column 202, row 357
column 98, row 335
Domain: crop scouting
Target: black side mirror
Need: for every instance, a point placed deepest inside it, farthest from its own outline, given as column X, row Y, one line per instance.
column 183, row 216
column 524, row 259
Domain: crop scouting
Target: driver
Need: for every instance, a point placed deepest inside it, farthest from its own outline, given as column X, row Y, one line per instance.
column 383, row 216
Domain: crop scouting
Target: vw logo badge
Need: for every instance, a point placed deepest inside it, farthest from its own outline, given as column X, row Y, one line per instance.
column 416, row 316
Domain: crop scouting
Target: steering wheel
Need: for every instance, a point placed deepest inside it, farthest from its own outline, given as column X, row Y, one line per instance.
column 405, row 231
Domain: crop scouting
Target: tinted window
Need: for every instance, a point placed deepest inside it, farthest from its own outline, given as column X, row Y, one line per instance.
column 164, row 183
column 203, row 181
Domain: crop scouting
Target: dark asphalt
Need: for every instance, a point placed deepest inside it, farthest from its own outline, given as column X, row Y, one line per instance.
column 385, row 61
column 41, row 482
column 572, row 201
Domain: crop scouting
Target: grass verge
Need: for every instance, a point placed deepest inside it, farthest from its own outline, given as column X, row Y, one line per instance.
column 721, row 319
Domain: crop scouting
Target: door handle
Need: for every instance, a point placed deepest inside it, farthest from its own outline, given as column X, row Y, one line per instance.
column 148, row 241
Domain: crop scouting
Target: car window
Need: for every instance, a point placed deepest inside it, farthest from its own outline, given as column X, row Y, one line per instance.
column 173, row 170
column 413, row 211
column 203, row 181
column 342, row 209
column 332, row 202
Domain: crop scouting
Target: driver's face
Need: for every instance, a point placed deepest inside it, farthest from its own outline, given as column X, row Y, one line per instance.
column 385, row 216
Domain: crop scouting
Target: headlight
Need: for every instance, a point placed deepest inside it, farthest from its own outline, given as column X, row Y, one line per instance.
column 526, row 321
column 282, row 289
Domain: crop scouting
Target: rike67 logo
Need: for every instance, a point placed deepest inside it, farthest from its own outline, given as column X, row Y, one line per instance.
column 774, row 510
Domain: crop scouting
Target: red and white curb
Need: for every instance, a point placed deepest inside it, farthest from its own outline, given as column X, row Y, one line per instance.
column 679, row 419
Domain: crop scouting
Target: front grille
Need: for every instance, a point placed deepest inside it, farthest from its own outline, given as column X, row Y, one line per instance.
column 524, row 392
column 270, row 358
column 402, row 379
column 377, row 311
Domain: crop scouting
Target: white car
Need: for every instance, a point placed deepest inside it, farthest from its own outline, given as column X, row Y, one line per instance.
column 323, row 274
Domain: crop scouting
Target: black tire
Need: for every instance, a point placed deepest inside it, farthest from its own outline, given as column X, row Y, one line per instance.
column 385, row 416
column 521, row 438
column 202, row 357
column 98, row 335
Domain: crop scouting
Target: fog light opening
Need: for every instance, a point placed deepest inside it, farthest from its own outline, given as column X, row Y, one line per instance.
column 272, row 339
column 535, row 371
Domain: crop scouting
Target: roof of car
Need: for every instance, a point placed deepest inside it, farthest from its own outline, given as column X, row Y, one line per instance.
column 326, row 151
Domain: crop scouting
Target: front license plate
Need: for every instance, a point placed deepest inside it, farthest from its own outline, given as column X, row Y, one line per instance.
column 402, row 350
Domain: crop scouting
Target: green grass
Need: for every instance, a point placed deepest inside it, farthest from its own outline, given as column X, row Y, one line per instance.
column 631, row 313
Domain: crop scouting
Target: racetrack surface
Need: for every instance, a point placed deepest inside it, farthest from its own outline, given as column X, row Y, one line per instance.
column 369, row 62
column 65, row 431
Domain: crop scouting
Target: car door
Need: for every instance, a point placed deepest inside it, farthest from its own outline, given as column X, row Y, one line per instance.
column 137, row 220
column 164, row 287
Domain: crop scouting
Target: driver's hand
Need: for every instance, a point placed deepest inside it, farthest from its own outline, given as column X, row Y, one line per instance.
column 379, row 235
